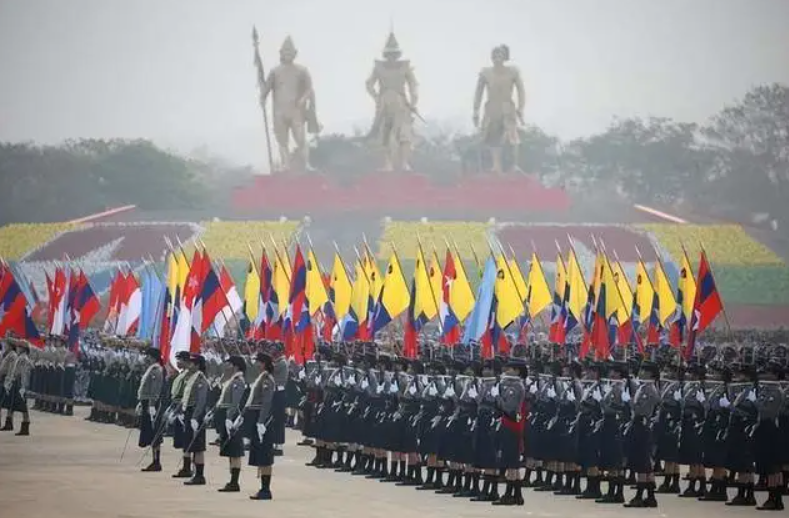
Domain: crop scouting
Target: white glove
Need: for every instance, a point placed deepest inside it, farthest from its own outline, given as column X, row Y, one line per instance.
column 533, row 388
column 22, row 393
column 677, row 396
column 338, row 380
column 724, row 402
column 700, row 396
column 393, row 388
column 472, row 392
column 364, row 384
column 351, row 381
column 450, row 392
column 571, row 396
column 752, row 396
column 195, row 426
column 432, row 391
column 261, row 430
column 551, row 393
column 412, row 389
column 180, row 418
column 607, row 388
column 626, row 396
column 302, row 374
column 238, row 422
column 596, row 395
column 318, row 379
column 379, row 389
column 138, row 409
column 208, row 417
column 495, row 390
column 152, row 412
column 228, row 426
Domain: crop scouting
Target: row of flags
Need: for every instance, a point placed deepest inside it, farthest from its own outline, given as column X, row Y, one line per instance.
column 291, row 299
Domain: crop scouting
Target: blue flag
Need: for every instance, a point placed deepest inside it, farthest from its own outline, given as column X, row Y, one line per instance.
column 477, row 322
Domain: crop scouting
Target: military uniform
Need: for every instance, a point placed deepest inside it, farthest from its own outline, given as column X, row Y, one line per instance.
column 6, row 398
column 258, row 418
column 16, row 384
column 149, row 409
column 193, row 409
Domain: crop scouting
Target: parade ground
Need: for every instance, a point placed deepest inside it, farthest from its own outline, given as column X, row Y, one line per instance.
column 70, row 468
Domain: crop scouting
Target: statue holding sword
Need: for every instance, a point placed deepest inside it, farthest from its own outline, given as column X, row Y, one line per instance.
column 394, row 88
column 502, row 117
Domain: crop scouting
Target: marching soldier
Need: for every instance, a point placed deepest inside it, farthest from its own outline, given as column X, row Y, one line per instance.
column 510, row 394
column 668, row 425
column 6, row 398
column 177, row 387
column 281, row 372
column 193, row 414
column 639, row 452
column 258, row 416
column 148, row 408
column 767, row 434
column 17, row 383
column 69, row 380
column 691, row 451
column 739, row 441
column 590, row 413
column 229, row 418
column 615, row 397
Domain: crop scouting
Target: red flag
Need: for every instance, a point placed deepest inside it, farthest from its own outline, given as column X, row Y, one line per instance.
column 706, row 306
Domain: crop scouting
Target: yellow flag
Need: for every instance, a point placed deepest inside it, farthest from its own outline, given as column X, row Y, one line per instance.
column 316, row 291
column 625, row 291
column 598, row 274
column 360, row 294
column 373, row 273
column 686, row 290
column 172, row 274
column 520, row 280
column 183, row 271
column 340, row 289
column 560, row 280
column 577, row 285
column 252, row 293
column 645, row 293
column 436, row 276
column 613, row 301
column 510, row 305
column 424, row 301
column 461, row 296
column 539, row 294
column 395, row 295
column 280, row 280
column 667, row 304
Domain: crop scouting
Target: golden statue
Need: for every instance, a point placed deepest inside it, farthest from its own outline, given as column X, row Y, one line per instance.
column 392, row 127
column 293, row 107
column 502, row 117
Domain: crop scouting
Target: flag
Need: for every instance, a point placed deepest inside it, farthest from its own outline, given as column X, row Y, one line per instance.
column 394, row 297
column 664, row 305
column 643, row 297
column 57, row 303
column 130, row 306
column 182, row 333
column 686, row 295
column 426, row 301
column 251, row 295
column 340, row 292
column 213, row 298
column 609, row 304
column 576, row 293
column 450, row 323
column 316, row 290
column 558, row 310
column 509, row 303
column 297, row 315
column 477, row 323
column 707, row 304
column 233, row 305
column 360, row 299
column 538, row 294
column 461, row 296
column 14, row 314
column 164, row 328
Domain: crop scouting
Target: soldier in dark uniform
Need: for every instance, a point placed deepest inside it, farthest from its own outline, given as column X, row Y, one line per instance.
column 280, row 374
column 767, row 434
column 639, row 436
column 429, row 417
column 193, row 410
column 174, row 413
column 669, row 422
column 486, row 460
column 410, row 403
column 615, row 397
column 17, row 383
column 69, row 380
column 6, row 399
column 230, row 419
column 590, row 413
column 691, row 450
column 510, row 394
column 148, row 409
column 739, row 440
column 258, row 418
column 718, row 411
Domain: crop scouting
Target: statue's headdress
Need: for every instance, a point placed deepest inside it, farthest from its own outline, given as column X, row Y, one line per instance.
column 392, row 47
column 288, row 46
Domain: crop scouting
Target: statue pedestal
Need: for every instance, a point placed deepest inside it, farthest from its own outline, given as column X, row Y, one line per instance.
column 393, row 193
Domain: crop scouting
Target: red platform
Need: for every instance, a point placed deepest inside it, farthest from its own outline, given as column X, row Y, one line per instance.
column 393, row 192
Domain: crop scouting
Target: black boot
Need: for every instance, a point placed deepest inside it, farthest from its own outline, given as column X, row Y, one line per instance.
column 518, row 484
column 232, row 486
column 198, row 479
column 9, row 424
column 690, row 491
column 717, row 492
column 155, row 465
column 24, row 429
column 69, row 410
column 428, row 483
column 547, row 485
column 465, row 490
column 509, row 495
column 449, row 487
column 638, row 500
column 484, row 495
column 650, row 500
column 186, row 469
column 592, row 491
column 265, row 489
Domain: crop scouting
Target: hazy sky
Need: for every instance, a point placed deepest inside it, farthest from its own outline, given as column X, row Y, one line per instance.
column 180, row 71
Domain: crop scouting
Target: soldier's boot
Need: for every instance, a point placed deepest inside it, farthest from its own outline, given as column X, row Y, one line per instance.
column 186, row 469
column 438, row 479
column 391, row 476
column 508, row 498
column 518, row 484
column 592, row 491
column 650, row 500
column 774, row 502
column 690, row 491
column 717, row 492
column 744, row 497
column 155, row 465
column 265, row 489
column 428, row 484
column 610, row 496
column 69, row 410
column 638, row 500
column 198, row 479
column 761, row 484
column 547, row 485
column 232, row 486
column 24, row 429
column 484, row 495
column 449, row 487
column 9, row 424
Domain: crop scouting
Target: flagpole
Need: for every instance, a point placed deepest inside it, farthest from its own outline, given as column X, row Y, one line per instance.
column 282, row 264
column 342, row 261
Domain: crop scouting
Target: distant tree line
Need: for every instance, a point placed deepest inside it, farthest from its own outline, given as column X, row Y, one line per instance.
column 738, row 163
